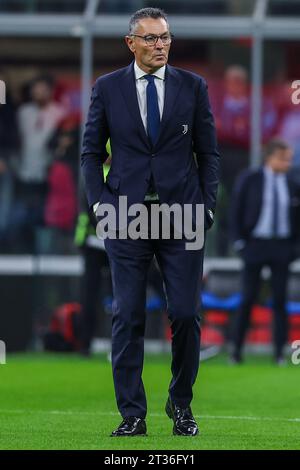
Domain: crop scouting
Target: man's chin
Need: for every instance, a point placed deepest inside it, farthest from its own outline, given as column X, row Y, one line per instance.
column 160, row 61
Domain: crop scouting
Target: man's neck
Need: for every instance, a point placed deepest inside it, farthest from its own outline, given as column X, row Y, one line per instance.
column 148, row 70
column 43, row 105
column 273, row 170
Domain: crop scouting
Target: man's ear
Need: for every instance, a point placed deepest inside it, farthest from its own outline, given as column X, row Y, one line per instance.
column 130, row 43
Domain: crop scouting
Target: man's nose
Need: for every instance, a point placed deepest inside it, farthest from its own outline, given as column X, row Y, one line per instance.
column 159, row 44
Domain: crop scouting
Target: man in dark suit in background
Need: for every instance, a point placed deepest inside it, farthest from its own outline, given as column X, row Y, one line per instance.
column 156, row 116
column 266, row 226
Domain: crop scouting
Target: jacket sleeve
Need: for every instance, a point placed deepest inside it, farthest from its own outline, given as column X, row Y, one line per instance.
column 94, row 152
column 205, row 147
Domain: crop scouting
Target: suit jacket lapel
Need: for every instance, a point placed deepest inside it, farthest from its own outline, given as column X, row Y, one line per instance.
column 172, row 87
column 260, row 187
column 128, row 87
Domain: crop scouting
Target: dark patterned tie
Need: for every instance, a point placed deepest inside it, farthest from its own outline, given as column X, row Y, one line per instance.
column 275, row 204
column 153, row 116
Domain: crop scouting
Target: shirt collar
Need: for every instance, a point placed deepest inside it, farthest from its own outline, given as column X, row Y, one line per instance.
column 269, row 172
column 139, row 73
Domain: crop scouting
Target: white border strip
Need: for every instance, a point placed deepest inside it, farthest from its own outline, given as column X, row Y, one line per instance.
column 154, row 415
column 72, row 265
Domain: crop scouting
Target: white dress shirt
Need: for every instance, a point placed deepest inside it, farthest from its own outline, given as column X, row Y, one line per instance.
column 141, row 86
column 37, row 125
column 263, row 228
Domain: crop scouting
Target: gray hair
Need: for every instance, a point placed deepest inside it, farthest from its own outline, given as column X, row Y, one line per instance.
column 273, row 145
column 145, row 13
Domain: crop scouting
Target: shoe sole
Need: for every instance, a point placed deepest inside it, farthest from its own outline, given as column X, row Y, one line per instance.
column 130, row 435
column 185, row 435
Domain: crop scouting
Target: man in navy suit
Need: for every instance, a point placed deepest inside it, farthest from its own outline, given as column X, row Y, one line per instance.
column 266, row 229
column 164, row 149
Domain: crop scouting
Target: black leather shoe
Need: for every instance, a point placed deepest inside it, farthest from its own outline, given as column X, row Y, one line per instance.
column 280, row 361
column 131, row 426
column 184, row 423
column 235, row 359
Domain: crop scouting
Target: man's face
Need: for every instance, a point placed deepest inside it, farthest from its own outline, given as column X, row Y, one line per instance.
column 281, row 160
column 149, row 58
column 236, row 84
column 41, row 93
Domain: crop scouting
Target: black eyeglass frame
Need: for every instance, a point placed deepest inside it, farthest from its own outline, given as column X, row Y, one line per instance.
column 171, row 37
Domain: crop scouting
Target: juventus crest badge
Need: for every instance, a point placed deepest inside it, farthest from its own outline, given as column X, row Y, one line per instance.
column 185, row 128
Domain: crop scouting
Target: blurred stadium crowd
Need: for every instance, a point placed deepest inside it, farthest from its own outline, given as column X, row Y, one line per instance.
column 39, row 141
column 39, row 171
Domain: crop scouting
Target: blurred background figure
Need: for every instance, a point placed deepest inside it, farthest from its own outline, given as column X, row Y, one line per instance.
column 290, row 127
column 60, row 209
column 9, row 141
column 234, row 123
column 234, row 127
column 38, row 121
column 266, row 226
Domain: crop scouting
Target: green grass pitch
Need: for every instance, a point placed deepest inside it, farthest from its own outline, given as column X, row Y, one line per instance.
column 52, row 401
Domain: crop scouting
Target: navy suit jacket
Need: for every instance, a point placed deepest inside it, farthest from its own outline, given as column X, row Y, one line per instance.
column 247, row 202
column 187, row 128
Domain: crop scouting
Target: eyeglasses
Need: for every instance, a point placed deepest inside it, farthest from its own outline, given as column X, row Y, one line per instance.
column 151, row 39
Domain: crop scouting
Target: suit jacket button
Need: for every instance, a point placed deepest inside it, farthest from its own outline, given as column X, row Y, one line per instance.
column 153, row 154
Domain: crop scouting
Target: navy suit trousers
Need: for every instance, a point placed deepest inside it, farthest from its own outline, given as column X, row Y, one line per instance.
column 182, row 274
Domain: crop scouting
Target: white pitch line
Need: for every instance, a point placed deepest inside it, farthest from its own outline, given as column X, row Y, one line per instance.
column 155, row 415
